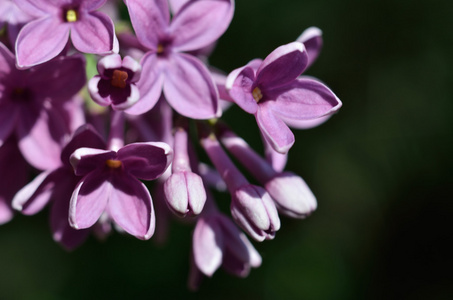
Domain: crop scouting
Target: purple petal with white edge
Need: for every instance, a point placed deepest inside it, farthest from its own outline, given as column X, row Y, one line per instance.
column 303, row 99
column 93, row 89
column 134, row 66
column 150, row 86
column 84, row 136
column 41, row 134
column 276, row 159
column 112, row 61
column 59, row 79
column 32, row 198
column 37, row 8
column 312, row 40
column 94, row 33
column 283, row 65
column 40, row 41
column 239, row 83
column 131, row 207
column 208, row 244
column 291, row 195
column 150, row 20
column 249, row 200
column 189, row 88
column 14, row 172
column 200, row 23
column 133, row 97
column 146, row 161
column 274, row 130
column 85, row 160
column 89, row 200
column 306, row 124
column 175, row 188
column 196, row 191
column 255, row 257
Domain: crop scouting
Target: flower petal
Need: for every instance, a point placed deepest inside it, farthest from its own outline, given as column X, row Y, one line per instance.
column 208, row 246
column 9, row 115
column 304, row 99
column 146, row 161
column 189, row 88
column 134, row 96
column 112, row 61
column 274, row 130
column 40, row 41
column 150, row 20
column 37, row 7
column 89, row 200
column 150, row 86
column 239, row 83
column 312, row 40
column 282, row 66
column 85, row 160
column 94, row 33
column 41, row 135
column 131, row 207
column 200, row 23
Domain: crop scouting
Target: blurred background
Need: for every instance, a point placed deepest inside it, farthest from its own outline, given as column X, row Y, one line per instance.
column 382, row 171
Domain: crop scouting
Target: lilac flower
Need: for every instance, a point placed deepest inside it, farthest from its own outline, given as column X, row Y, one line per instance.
column 14, row 174
column 110, row 183
column 185, row 81
column 251, row 206
column 184, row 190
column 14, row 17
column 272, row 91
column 291, row 194
column 218, row 242
column 56, row 186
column 34, row 105
column 44, row 38
column 115, row 84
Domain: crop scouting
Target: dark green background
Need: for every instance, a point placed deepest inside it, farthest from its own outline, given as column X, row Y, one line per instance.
column 381, row 170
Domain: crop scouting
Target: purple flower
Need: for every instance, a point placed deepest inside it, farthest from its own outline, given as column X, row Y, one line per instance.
column 115, row 84
column 44, row 38
column 185, row 81
column 56, row 186
column 272, row 91
column 291, row 194
column 184, row 190
column 34, row 105
column 251, row 206
column 218, row 242
column 14, row 174
column 110, row 183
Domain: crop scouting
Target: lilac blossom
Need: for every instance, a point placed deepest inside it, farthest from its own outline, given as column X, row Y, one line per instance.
column 14, row 172
column 115, row 84
column 110, row 183
column 271, row 90
column 218, row 242
column 251, row 206
column 42, row 39
column 291, row 194
column 56, row 186
column 35, row 106
column 184, row 190
column 184, row 80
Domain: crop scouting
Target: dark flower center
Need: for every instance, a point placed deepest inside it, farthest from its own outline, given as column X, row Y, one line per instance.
column 21, row 95
column 119, row 79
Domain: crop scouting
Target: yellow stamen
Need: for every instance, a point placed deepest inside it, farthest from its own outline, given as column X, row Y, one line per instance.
column 113, row 163
column 71, row 15
column 160, row 49
column 257, row 95
column 119, row 79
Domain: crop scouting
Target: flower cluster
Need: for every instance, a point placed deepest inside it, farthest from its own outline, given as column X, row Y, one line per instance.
column 89, row 144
